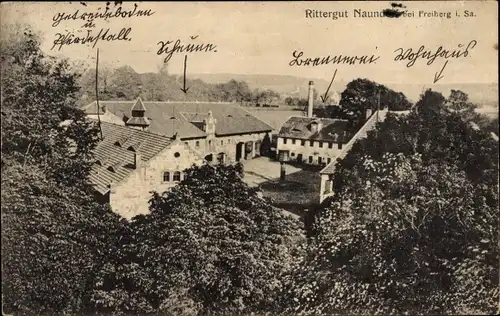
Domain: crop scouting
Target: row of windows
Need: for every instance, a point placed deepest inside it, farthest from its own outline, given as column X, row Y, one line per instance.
column 173, row 176
column 311, row 143
column 310, row 159
column 197, row 143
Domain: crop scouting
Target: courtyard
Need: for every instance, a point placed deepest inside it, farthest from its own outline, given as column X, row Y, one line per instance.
column 296, row 194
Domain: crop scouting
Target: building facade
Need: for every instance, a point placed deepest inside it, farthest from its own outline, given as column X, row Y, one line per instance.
column 131, row 163
column 309, row 139
column 217, row 131
column 328, row 172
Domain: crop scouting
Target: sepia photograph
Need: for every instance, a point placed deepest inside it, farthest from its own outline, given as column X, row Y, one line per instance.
column 252, row 158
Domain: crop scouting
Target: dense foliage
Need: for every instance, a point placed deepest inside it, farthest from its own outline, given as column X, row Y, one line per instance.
column 413, row 226
column 54, row 237
column 361, row 95
column 211, row 245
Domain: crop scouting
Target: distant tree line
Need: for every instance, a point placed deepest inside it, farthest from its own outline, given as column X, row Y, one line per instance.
column 124, row 83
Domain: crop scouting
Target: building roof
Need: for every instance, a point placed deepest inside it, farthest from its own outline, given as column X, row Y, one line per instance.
column 167, row 118
column 115, row 153
column 331, row 130
column 138, row 121
column 139, row 106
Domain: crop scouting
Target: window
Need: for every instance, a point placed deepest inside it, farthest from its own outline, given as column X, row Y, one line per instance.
column 184, row 175
column 284, row 140
column 209, row 142
column 330, row 145
column 186, row 143
column 340, row 145
column 320, row 160
column 197, row 144
column 229, row 141
column 177, row 176
column 320, row 144
column 311, row 143
column 177, row 155
column 292, row 154
column 302, row 143
column 328, row 160
column 222, row 142
column 310, row 159
column 166, row 176
column 293, row 141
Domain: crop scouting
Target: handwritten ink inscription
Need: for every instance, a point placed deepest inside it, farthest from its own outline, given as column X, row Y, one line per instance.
column 178, row 47
column 298, row 60
column 412, row 56
column 104, row 35
column 89, row 18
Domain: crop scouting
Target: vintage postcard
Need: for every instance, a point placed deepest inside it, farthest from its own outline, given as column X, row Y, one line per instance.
column 250, row 158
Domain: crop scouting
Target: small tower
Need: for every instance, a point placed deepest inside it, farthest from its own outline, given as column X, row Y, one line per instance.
column 209, row 128
column 138, row 119
column 209, row 124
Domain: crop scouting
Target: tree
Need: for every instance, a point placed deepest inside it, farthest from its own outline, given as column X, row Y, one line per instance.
column 54, row 237
column 209, row 245
column 411, row 222
column 413, row 238
column 458, row 102
column 125, row 83
column 265, row 147
column 361, row 95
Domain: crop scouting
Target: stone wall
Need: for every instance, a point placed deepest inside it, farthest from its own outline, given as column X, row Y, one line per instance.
column 130, row 197
column 224, row 144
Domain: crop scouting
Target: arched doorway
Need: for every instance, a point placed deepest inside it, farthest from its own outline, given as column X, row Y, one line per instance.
column 240, row 151
column 221, row 158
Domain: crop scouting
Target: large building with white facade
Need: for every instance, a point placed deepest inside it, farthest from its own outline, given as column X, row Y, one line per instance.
column 218, row 131
column 309, row 139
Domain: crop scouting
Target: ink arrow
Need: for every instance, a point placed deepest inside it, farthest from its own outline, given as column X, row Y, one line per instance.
column 184, row 89
column 437, row 76
column 325, row 97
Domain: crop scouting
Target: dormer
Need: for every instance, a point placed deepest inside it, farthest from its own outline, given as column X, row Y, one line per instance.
column 113, row 167
column 121, row 141
column 209, row 124
column 315, row 126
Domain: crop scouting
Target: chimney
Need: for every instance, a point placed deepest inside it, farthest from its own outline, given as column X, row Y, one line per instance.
column 137, row 161
column 112, row 188
column 310, row 100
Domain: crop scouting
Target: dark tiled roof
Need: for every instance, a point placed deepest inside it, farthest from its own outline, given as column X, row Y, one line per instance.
column 167, row 118
column 115, row 153
column 300, row 128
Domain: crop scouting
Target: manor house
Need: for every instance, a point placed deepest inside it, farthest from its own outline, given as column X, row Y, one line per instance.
column 217, row 131
column 311, row 140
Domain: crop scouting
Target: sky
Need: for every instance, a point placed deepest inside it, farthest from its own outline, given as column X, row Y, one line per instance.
column 260, row 37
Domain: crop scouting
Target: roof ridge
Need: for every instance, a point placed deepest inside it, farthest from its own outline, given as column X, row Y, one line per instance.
column 133, row 130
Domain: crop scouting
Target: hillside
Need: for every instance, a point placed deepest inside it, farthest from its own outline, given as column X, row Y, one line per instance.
column 483, row 94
